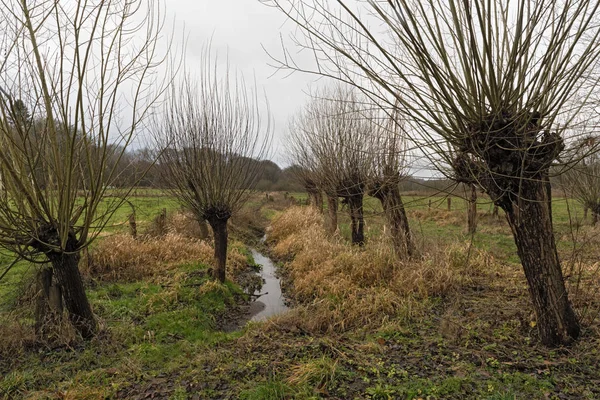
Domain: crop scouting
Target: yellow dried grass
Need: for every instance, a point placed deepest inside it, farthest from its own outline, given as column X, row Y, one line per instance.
column 121, row 257
column 16, row 337
column 440, row 217
column 343, row 287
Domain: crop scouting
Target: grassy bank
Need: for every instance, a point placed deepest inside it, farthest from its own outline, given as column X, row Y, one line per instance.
column 454, row 323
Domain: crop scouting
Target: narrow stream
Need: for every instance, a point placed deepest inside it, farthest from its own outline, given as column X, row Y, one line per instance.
column 272, row 301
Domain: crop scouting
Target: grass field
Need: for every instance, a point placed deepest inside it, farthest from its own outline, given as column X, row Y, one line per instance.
column 454, row 323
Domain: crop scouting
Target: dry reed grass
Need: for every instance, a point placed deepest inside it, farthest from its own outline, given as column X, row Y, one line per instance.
column 342, row 287
column 16, row 337
column 439, row 216
column 186, row 225
column 123, row 258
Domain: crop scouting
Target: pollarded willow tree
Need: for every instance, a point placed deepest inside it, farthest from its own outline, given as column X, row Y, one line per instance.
column 67, row 70
column 498, row 83
column 336, row 134
column 210, row 135
column 305, row 169
column 389, row 149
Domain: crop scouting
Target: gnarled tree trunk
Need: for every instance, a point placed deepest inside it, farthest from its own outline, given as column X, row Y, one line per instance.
column 510, row 158
column 66, row 270
column 49, row 302
column 531, row 223
column 393, row 207
column 355, row 206
column 219, row 228
column 332, row 206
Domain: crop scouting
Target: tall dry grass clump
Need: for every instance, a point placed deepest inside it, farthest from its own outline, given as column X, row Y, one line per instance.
column 16, row 337
column 121, row 257
column 343, row 287
column 184, row 223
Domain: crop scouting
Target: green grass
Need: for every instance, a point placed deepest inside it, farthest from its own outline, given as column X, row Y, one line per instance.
column 164, row 334
column 272, row 389
column 146, row 209
column 148, row 328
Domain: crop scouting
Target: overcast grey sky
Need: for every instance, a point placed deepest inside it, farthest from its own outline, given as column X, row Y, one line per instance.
column 239, row 28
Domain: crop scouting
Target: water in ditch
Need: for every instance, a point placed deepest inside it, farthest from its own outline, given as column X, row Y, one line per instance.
column 271, row 301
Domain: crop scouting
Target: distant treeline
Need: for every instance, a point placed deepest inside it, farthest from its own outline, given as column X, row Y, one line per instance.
column 138, row 168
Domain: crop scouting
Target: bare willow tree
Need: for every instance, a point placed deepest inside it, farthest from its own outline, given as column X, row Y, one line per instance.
column 336, row 134
column 497, row 83
column 74, row 91
column 583, row 180
column 389, row 148
column 210, row 135
column 303, row 159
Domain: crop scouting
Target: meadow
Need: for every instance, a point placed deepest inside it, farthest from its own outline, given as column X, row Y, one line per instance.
column 455, row 322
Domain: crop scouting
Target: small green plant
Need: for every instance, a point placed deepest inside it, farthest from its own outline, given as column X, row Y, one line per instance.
column 380, row 392
column 273, row 389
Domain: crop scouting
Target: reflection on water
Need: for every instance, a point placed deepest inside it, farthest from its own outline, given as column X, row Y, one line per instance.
column 271, row 303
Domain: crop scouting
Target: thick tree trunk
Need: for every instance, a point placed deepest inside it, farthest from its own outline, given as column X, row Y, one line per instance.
column 393, row 207
column 531, row 224
column 49, row 302
column 472, row 211
column 66, row 271
column 355, row 206
column 42, row 306
column 511, row 160
column 332, row 206
column 219, row 228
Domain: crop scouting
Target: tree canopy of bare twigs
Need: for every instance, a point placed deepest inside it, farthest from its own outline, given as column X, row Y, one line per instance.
column 305, row 164
column 209, row 136
column 492, row 88
column 331, row 138
column 390, row 167
column 583, row 180
column 64, row 113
